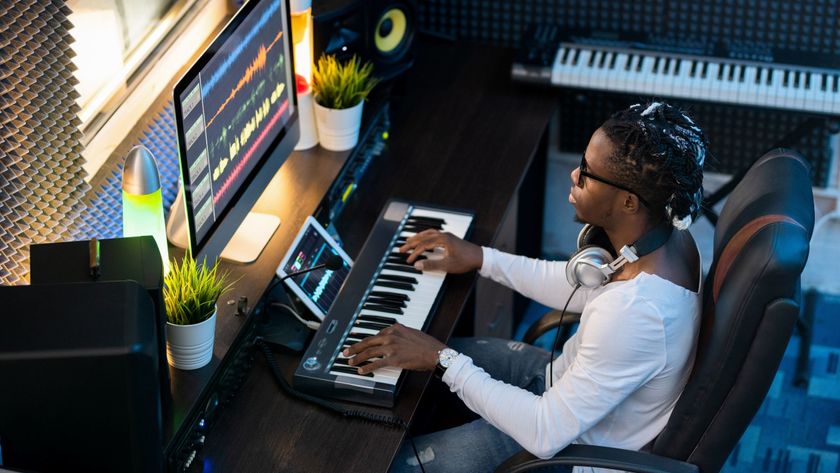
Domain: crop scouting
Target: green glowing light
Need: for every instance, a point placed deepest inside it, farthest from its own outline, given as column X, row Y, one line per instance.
column 143, row 215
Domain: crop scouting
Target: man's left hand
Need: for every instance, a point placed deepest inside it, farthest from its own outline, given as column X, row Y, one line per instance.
column 397, row 346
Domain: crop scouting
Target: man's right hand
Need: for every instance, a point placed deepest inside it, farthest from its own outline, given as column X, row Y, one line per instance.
column 459, row 256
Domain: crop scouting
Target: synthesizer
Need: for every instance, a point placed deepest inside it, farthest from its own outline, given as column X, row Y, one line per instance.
column 380, row 290
column 705, row 72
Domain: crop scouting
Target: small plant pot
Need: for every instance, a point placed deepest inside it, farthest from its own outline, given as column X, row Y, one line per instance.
column 338, row 130
column 189, row 347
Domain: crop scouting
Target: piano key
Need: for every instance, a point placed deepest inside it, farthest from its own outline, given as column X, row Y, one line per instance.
column 378, row 319
column 398, row 278
column 390, row 295
column 383, row 308
column 402, row 268
column 350, row 370
column 371, row 325
column 385, row 301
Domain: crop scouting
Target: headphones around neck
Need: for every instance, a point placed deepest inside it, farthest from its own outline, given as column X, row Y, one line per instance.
column 592, row 265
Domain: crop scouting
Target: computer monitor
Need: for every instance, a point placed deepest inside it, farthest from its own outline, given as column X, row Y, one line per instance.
column 236, row 118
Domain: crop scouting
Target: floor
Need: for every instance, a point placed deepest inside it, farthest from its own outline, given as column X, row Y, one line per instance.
column 797, row 429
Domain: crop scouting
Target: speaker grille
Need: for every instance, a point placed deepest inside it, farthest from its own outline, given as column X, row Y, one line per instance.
column 41, row 175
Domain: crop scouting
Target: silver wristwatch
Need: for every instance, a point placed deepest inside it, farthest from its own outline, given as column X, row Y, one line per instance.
column 446, row 357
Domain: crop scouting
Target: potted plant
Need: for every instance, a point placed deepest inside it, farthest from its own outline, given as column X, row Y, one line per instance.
column 340, row 93
column 190, row 294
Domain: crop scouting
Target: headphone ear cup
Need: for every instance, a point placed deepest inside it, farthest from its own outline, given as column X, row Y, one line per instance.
column 584, row 267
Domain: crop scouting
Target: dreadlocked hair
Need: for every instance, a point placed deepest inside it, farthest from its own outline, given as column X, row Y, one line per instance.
column 659, row 152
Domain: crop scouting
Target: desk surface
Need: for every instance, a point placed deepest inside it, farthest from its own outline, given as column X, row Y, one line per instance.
column 463, row 136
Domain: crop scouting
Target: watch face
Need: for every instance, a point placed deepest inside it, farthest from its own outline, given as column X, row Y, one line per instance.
column 446, row 357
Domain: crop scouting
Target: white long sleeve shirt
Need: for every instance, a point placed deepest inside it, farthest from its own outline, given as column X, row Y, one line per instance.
column 618, row 377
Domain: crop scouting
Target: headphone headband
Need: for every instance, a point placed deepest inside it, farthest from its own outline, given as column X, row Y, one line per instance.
column 592, row 266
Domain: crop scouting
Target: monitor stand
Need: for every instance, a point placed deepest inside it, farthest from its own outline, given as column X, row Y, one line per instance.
column 245, row 245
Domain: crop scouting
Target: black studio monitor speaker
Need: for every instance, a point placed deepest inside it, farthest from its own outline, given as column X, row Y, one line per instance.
column 79, row 376
column 379, row 31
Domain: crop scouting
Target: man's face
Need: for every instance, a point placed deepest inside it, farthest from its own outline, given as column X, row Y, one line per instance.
column 594, row 200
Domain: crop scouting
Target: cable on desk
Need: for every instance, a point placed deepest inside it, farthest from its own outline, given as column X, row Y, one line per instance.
column 391, row 421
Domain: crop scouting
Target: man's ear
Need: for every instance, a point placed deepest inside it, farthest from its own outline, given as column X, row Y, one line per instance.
column 631, row 203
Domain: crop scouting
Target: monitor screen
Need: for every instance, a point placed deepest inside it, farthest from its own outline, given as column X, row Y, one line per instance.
column 236, row 120
column 319, row 288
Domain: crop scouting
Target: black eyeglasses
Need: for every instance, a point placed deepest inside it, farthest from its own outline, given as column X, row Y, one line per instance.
column 582, row 172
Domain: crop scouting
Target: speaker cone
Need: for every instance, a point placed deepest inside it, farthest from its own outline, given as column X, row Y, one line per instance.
column 393, row 33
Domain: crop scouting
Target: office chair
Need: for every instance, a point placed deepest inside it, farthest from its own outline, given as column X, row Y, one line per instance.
column 751, row 302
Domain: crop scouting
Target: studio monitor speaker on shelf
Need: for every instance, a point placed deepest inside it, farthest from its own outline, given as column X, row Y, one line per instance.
column 379, row 31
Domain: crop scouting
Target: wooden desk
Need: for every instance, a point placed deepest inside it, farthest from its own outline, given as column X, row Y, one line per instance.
column 463, row 136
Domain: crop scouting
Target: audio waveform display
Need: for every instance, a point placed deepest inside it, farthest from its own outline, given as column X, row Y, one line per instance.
column 256, row 65
column 235, row 108
column 247, row 157
column 321, row 286
column 209, row 85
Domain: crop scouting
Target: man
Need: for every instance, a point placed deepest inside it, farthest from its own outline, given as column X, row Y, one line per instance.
column 619, row 377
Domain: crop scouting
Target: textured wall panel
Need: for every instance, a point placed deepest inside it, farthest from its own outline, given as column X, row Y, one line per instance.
column 41, row 176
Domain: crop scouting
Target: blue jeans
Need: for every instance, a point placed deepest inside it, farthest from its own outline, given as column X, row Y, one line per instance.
column 477, row 446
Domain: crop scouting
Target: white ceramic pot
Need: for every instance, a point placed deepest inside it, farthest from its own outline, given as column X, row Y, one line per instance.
column 338, row 130
column 190, row 347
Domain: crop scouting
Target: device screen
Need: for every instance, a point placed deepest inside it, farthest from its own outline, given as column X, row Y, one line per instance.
column 317, row 289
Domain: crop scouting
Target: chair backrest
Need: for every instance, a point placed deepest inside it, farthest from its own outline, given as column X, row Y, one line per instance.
column 750, row 305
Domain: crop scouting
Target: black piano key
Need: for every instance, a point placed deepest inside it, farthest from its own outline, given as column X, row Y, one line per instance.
column 342, row 361
column 395, row 285
column 693, row 69
column 371, row 325
column 403, row 268
column 390, row 295
column 603, row 61
column 785, row 78
column 639, row 64
column 417, row 227
column 396, row 277
column 426, row 218
column 770, row 76
column 656, row 64
column 824, row 85
column 387, row 302
column 677, row 67
column 731, row 73
column 742, row 74
column 383, row 308
column 350, row 370
column 758, row 73
column 613, row 60
column 666, row 67
column 377, row 318
column 834, row 83
column 576, row 57
column 720, row 71
column 807, row 80
column 403, row 256
column 565, row 56
column 592, row 58
column 796, row 79
column 629, row 62
column 704, row 70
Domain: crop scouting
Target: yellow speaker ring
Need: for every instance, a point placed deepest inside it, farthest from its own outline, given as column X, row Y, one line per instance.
column 393, row 24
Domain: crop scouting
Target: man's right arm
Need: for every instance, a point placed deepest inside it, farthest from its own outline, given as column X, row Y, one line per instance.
column 540, row 280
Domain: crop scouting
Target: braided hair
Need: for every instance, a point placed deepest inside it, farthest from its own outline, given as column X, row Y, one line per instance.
column 659, row 152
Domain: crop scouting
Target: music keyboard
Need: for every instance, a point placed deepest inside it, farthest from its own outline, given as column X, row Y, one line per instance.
column 380, row 290
column 684, row 76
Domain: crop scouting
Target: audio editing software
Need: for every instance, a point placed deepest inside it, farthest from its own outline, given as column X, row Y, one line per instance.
column 233, row 111
column 322, row 285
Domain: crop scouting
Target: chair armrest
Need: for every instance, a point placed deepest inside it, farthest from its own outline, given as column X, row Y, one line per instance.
column 600, row 457
column 547, row 322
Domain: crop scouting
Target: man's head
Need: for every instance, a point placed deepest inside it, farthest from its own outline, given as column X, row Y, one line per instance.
column 644, row 163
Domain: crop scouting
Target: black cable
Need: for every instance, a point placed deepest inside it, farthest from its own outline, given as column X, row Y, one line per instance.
column 390, row 421
column 557, row 337
column 417, row 455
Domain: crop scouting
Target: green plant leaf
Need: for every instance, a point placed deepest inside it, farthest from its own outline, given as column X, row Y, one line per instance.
column 191, row 290
column 340, row 86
